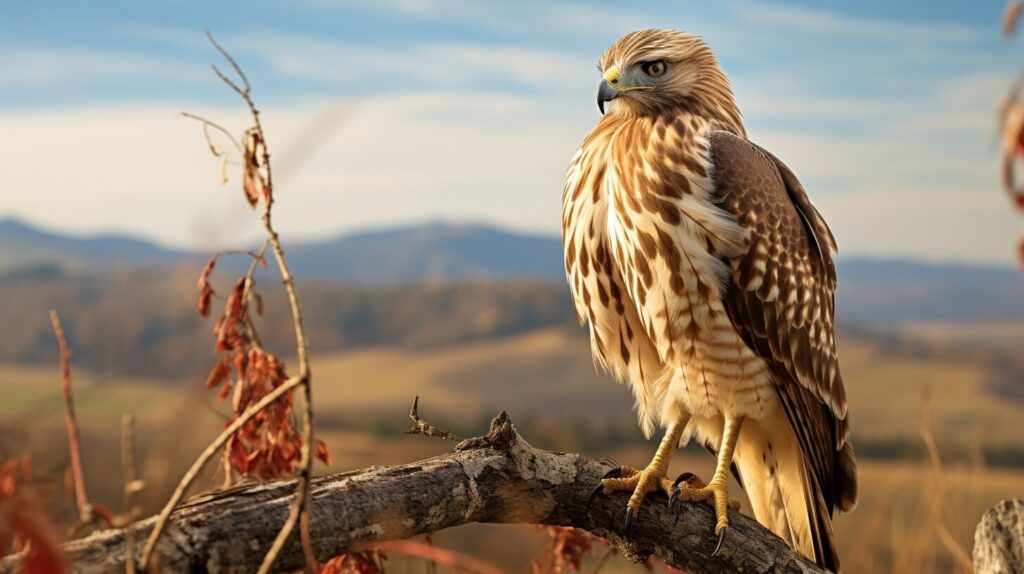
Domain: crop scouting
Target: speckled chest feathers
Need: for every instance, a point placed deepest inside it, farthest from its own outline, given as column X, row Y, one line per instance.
column 647, row 246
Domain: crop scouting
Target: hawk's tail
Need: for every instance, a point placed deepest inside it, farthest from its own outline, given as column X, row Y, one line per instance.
column 784, row 496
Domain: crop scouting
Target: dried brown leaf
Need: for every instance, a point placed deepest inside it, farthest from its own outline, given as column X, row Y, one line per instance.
column 1011, row 17
column 219, row 373
column 322, row 453
column 252, row 179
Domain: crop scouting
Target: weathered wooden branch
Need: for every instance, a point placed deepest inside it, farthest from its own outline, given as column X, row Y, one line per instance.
column 999, row 539
column 497, row 478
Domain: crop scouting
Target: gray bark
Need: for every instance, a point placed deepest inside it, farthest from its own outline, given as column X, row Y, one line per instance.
column 497, row 478
column 999, row 539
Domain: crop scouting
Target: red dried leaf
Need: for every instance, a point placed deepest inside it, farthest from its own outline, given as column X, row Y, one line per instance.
column 224, row 391
column 204, row 301
column 205, row 290
column 354, row 563
column 37, row 534
column 219, row 373
column 22, row 516
column 322, row 453
column 568, row 548
column 204, row 277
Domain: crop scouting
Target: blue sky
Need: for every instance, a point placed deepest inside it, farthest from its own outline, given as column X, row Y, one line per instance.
column 385, row 113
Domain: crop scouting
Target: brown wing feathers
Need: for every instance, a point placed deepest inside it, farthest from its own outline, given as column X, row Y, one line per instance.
column 781, row 303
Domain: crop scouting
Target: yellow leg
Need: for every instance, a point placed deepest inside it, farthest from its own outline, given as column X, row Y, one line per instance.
column 650, row 479
column 716, row 492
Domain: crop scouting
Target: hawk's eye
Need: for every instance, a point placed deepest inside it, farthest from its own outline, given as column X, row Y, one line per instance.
column 655, row 68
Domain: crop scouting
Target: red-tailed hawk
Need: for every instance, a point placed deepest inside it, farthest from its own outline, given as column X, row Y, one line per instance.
column 707, row 279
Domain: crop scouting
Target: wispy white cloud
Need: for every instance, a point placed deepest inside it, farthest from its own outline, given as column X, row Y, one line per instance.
column 52, row 68
column 482, row 129
column 571, row 19
column 832, row 24
column 414, row 65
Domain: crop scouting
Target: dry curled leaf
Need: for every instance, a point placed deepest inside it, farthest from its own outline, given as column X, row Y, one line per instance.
column 24, row 524
column 368, row 562
column 1011, row 17
column 205, row 289
column 1020, row 252
column 565, row 551
column 253, row 183
column 322, row 453
column 219, row 373
column 1011, row 126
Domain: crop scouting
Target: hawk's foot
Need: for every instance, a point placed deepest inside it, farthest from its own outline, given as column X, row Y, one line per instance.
column 638, row 482
column 689, row 487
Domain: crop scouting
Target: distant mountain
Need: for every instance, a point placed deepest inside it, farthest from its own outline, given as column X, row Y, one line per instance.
column 434, row 252
column 26, row 247
column 890, row 291
column 870, row 291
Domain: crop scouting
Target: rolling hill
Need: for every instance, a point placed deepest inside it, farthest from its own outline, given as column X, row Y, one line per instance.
column 871, row 291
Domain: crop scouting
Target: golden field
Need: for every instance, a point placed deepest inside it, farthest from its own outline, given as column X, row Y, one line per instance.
column 547, row 383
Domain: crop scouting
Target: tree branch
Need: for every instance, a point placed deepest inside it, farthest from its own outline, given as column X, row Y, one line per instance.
column 497, row 478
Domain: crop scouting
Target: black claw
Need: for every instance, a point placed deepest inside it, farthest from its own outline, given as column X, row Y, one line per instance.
column 674, row 504
column 721, row 539
column 629, row 516
column 613, row 473
column 685, row 477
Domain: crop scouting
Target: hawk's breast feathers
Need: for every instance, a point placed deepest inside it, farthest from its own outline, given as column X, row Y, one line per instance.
column 698, row 259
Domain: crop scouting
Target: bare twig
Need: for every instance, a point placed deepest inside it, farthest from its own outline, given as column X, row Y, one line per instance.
column 455, row 560
column 422, row 427
column 238, row 69
column 132, row 486
column 85, row 509
column 211, row 124
column 428, row 539
column 940, row 496
column 200, row 462
column 258, row 182
column 298, row 514
column 603, row 560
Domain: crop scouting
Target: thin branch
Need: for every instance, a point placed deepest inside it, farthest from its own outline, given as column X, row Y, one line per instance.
column 200, row 462
column 422, row 427
column 85, row 509
column 238, row 69
column 938, row 520
column 298, row 514
column 602, row 561
column 132, row 486
column 210, row 124
column 444, row 557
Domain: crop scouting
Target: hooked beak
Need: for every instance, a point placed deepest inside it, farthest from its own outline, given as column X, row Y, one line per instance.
column 606, row 93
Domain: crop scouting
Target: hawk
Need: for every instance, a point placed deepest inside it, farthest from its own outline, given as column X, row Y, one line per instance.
column 707, row 280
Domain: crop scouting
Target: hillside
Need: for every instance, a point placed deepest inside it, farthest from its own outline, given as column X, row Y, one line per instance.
column 129, row 305
column 882, row 292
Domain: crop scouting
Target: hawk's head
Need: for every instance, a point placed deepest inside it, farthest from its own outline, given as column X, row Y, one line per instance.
column 653, row 71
